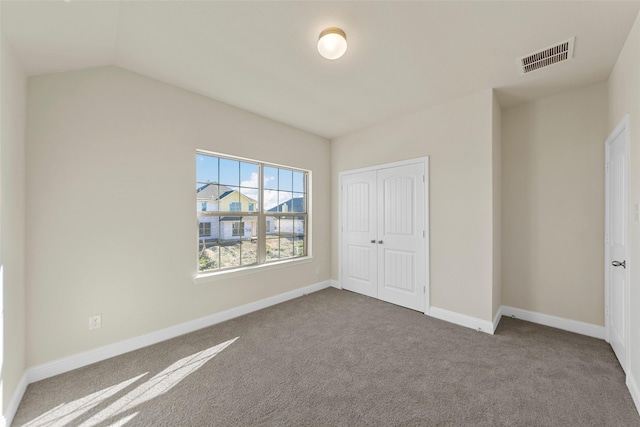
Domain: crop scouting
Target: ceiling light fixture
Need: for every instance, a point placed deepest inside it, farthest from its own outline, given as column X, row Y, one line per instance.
column 332, row 43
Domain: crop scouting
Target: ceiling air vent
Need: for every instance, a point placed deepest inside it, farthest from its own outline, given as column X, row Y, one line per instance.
column 543, row 58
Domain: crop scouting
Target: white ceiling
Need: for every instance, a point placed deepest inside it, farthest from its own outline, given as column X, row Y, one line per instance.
column 260, row 56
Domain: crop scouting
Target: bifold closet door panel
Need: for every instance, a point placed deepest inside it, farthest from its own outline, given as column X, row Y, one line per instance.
column 359, row 224
column 401, row 235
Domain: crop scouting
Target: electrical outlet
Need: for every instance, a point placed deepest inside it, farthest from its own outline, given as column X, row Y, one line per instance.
column 95, row 322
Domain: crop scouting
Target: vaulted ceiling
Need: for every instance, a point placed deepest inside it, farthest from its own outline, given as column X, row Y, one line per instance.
column 260, row 55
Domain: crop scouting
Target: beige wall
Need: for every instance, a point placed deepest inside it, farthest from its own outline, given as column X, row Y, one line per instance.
column 457, row 137
column 624, row 97
column 110, row 207
column 496, row 130
column 12, row 212
column 553, row 205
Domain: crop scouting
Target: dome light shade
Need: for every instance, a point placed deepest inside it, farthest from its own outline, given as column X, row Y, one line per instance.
column 332, row 43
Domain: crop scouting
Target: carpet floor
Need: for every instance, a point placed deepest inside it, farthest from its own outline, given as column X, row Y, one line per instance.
column 335, row 358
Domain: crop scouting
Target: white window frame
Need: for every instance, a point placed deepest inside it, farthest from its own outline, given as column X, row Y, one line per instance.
column 260, row 214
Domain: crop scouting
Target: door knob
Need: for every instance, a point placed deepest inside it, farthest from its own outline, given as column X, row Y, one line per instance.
column 619, row 264
column 380, row 241
column 373, row 240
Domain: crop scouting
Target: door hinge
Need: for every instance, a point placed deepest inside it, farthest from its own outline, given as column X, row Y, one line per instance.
column 424, row 289
column 423, row 178
column 424, row 233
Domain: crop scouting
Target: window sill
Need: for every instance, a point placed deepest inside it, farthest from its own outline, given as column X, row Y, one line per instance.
column 222, row 275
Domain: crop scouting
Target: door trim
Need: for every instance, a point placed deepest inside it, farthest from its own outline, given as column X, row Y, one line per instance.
column 425, row 162
column 623, row 126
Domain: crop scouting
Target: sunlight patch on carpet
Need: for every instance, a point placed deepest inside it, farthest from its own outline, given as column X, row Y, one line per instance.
column 164, row 381
column 158, row 385
column 63, row 414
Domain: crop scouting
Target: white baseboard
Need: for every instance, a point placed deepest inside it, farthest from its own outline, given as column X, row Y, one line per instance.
column 12, row 407
column 70, row 363
column 578, row 327
column 462, row 320
column 632, row 385
column 496, row 318
column 336, row 284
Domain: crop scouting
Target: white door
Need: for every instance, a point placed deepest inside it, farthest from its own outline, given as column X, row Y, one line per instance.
column 384, row 236
column 616, row 242
column 401, row 236
column 359, row 247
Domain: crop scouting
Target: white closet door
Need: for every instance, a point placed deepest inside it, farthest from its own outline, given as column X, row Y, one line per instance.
column 401, row 236
column 384, row 234
column 359, row 247
column 617, row 244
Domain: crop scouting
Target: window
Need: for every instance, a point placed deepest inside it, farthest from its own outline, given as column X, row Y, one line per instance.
column 205, row 229
column 238, row 229
column 249, row 212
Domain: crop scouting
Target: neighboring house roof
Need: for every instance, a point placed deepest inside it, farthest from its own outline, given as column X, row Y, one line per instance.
column 231, row 218
column 226, row 193
column 212, row 191
column 293, row 205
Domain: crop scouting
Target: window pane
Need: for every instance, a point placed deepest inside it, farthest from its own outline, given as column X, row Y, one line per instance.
column 229, row 172
column 298, row 203
column 207, row 198
column 273, row 238
column 298, row 182
column 299, row 246
column 249, row 186
column 206, row 168
column 249, row 253
column 208, row 244
column 299, row 226
column 209, row 259
column 248, row 199
column 285, row 237
column 249, row 175
column 299, row 232
column 270, row 178
column 230, row 199
column 284, row 201
column 230, row 254
column 270, row 200
column 285, row 180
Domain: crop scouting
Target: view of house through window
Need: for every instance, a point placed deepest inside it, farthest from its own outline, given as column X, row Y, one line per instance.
column 248, row 212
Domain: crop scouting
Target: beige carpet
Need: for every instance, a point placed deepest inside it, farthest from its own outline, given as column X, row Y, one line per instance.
column 335, row 358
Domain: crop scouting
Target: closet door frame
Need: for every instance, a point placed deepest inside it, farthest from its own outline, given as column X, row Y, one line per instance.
column 421, row 160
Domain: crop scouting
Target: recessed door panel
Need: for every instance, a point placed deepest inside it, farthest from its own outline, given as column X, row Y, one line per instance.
column 399, row 196
column 358, row 201
column 359, row 263
column 399, row 271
